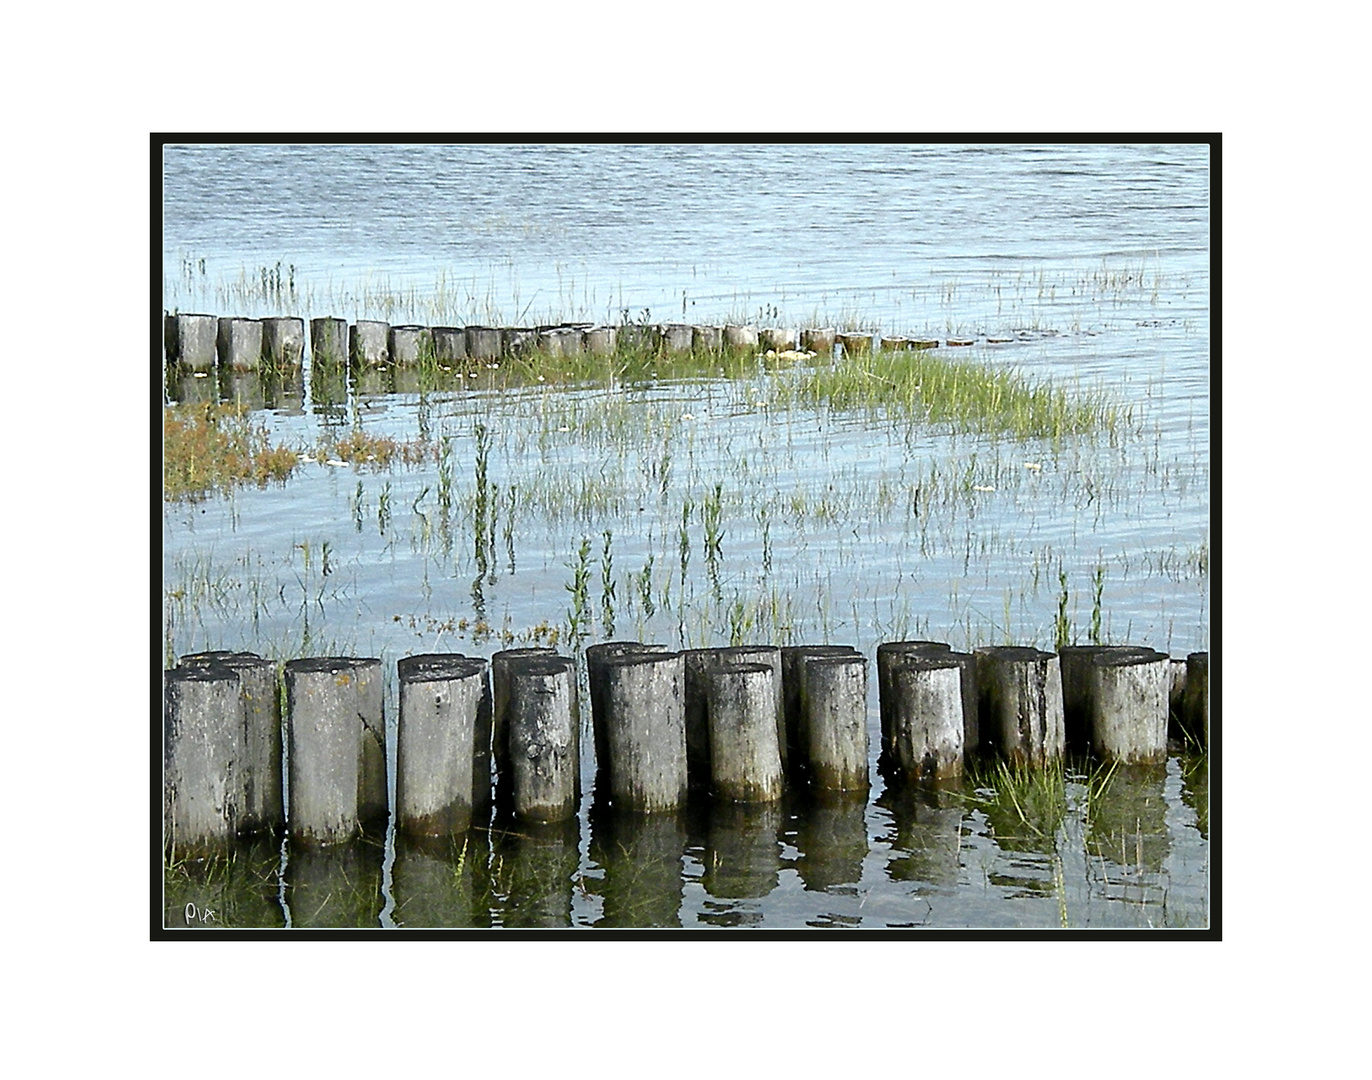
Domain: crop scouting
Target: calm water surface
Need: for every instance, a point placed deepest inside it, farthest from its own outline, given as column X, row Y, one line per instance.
column 836, row 526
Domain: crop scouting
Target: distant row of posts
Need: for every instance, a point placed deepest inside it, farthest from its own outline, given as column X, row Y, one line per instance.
column 476, row 737
column 196, row 342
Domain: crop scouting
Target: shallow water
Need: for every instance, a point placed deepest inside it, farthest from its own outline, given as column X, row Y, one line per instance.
column 835, row 526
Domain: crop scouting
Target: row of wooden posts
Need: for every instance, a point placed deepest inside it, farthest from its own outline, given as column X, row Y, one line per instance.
column 195, row 341
column 735, row 723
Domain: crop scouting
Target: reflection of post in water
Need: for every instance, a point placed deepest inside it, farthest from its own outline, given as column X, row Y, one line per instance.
column 337, row 885
column 283, row 389
column 241, row 388
column 442, row 881
column 532, row 868
column 832, row 838
column 926, row 846
column 742, row 858
column 1128, row 825
column 641, row 857
column 328, row 388
column 1195, row 789
column 236, row 889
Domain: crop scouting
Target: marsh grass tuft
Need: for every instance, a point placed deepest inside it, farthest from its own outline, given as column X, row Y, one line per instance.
column 966, row 395
column 213, row 448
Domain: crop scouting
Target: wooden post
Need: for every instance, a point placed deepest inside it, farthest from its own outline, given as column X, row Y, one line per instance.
column 856, row 344
column 203, row 758
column 1128, row 706
column 239, row 344
column 926, row 716
column 1196, row 702
column 835, row 721
column 194, row 339
column 676, row 338
column 263, row 809
column 645, row 731
column 369, row 344
column 519, row 340
column 820, row 340
column 740, row 338
column 483, row 343
column 410, row 346
column 442, row 783
column 450, row 344
column 331, row 732
column 501, row 664
column 707, row 340
column 776, row 338
column 544, row 739
column 792, row 696
column 328, row 341
column 283, row 341
column 745, row 757
column 696, row 665
column 1020, row 698
column 601, row 341
column 640, row 338
column 596, row 658
column 1077, row 662
column 890, row 653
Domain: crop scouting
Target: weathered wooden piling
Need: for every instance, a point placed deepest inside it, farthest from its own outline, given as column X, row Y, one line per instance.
column 283, row 341
column 923, row 343
column 501, row 663
column 203, row 758
column 740, row 338
column 856, row 344
column 695, row 668
column 262, row 809
column 410, row 346
column 329, row 341
column 777, row 338
column 890, row 653
column 677, row 338
column 834, row 695
column 819, row 340
column 1020, row 700
column 600, row 340
column 645, row 731
column 519, row 341
column 564, row 341
column 895, row 344
column 544, row 739
column 1076, row 663
column 239, row 344
column 597, row 656
column 442, row 783
column 369, row 343
column 1196, row 699
column 926, row 716
column 745, row 757
column 707, row 340
column 1127, row 706
column 450, row 344
column 192, row 341
column 332, row 725
column 483, row 343
column 697, row 664
column 643, row 338
column 793, row 659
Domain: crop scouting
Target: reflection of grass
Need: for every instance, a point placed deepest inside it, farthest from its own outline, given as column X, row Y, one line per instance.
column 208, row 448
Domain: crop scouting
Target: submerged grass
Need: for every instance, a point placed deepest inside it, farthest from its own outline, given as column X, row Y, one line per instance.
column 208, row 448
